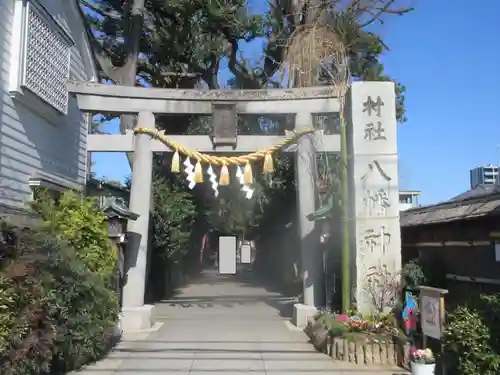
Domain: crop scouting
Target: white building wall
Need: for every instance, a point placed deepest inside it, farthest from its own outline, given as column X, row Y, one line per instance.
column 406, row 206
column 408, row 199
column 35, row 140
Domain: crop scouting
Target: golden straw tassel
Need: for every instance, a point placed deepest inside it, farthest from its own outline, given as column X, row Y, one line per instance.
column 175, row 162
column 198, row 173
column 224, row 175
column 268, row 163
column 247, row 174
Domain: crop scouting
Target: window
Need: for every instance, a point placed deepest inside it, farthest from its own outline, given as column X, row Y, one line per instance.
column 40, row 63
column 405, row 199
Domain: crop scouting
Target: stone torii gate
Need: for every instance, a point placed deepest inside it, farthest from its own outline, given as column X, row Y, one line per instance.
column 373, row 160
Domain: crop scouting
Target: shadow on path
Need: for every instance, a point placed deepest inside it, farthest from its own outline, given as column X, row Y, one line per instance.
column 209, row 290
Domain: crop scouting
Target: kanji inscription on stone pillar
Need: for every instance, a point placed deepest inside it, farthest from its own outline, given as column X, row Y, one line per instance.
column 376, row 194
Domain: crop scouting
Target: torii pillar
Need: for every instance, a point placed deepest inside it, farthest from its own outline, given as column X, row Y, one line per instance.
column 135, row 314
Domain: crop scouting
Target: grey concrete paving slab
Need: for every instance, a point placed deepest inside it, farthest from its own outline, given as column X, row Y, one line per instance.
column 227, row 325
column 158, row 365
column 225, row 364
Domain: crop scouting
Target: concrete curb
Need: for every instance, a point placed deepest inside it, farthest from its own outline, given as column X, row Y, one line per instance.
column 289, row 325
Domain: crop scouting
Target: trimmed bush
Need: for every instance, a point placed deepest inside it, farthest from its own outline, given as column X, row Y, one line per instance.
column 55, row 315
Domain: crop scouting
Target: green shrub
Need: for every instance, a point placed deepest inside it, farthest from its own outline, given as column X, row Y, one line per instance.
column 55, row 315
column 337, row 329
column 413, row 274
column 489, row 307
column 472, row 337
column 75, row 219
column 329, row 322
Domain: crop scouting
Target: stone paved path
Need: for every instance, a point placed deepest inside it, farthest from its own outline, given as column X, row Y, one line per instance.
column 226, row 325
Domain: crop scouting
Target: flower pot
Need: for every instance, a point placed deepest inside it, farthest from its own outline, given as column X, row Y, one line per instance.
column 423, row 368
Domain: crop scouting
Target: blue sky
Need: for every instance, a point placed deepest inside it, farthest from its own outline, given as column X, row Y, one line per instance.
column 446, row 53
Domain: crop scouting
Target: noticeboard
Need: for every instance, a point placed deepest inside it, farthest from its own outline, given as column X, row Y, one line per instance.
column 246, row 253
column 432, row 311
column 227, row 255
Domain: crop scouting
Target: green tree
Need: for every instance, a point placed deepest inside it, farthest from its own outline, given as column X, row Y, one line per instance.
column 202, row 34
column 173, row 222
column 173, row 215
column 232, row 213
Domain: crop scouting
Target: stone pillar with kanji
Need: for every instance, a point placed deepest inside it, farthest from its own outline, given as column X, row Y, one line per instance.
column 376, row 240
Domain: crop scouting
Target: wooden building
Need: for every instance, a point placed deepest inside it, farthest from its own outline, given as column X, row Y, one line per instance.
column 456, row 242
column 43, row 134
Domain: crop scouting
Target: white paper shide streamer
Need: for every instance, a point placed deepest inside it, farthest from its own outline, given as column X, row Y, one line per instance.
column 213, row 180
column 244, row 187
column 190, row 173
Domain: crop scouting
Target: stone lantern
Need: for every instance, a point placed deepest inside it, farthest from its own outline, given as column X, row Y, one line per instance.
column 118, row 214
column 323, row 217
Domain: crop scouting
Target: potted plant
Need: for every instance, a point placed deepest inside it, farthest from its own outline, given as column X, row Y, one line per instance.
column 423, row 362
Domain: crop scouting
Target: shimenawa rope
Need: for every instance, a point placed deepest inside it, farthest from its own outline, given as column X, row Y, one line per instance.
column 223, row 161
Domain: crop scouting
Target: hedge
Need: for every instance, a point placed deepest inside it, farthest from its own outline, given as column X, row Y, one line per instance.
column 55, row 315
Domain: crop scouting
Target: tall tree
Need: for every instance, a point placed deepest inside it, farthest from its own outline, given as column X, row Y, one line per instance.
column 117, row 63
column 178, row 43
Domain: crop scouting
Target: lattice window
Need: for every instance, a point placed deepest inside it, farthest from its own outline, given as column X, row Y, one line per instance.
column 46, row 58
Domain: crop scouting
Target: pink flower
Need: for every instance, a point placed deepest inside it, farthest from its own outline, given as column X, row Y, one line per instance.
column 417, row 353
column 420, row 353
column 342, row 318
